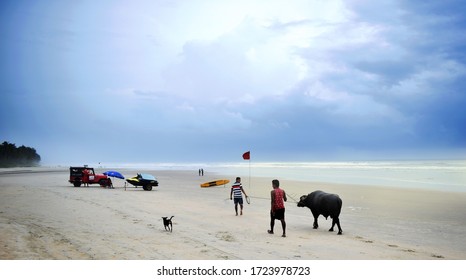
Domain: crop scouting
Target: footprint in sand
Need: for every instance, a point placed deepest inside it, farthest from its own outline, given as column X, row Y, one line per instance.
column 364, row 240
column 225, row 236
column 409, row 251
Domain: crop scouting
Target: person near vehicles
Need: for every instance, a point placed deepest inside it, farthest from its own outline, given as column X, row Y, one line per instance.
column 277, row 210
column 85, row 178
column 236, row 193
column 110, row 184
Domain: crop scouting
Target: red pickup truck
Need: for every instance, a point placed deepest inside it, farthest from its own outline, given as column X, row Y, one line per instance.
column 86, row 175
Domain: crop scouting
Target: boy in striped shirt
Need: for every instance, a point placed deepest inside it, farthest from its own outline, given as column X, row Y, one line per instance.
column 236, row 190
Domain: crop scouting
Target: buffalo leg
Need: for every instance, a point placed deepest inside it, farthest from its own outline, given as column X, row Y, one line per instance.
column 339, row 227
column 336, row 221
column 316, row 225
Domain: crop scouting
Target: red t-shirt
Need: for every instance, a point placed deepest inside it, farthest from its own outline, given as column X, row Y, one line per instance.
column 278, row 202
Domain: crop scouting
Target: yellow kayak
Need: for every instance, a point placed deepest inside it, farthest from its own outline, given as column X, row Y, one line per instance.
column 215, row 183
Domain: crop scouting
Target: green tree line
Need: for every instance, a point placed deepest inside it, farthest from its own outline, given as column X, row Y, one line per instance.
column 12, row 156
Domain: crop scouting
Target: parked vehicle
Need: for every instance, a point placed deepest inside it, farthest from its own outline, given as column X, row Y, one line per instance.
column 147, row 181
column 86, row 175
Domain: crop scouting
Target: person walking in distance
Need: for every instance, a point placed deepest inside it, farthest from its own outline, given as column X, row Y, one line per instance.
column 277, row 210
column 236, row 193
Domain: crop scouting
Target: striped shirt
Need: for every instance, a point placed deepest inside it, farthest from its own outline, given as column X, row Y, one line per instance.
column 236, row 187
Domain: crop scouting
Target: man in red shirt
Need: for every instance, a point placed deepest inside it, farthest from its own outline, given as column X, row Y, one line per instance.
column 277, row 211
column 85, row 178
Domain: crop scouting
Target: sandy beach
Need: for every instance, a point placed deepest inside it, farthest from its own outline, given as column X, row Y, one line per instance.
column 43, row 217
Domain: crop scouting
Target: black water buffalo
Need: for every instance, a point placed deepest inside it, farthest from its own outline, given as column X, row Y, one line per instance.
column 325, row 204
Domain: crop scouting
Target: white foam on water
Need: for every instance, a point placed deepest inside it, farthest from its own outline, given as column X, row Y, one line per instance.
column 444, row 175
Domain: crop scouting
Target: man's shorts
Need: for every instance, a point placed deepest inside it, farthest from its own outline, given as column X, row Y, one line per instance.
column 238, row 200
column 279, row 214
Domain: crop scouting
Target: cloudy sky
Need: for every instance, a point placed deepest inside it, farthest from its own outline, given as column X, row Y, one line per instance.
column 206, row 80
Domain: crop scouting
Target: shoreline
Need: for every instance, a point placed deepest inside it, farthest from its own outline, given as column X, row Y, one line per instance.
column 443, row 175
column 42, row 216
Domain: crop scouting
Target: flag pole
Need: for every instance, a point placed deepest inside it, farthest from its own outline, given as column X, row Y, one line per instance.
column 247, row 156
column 249, row 173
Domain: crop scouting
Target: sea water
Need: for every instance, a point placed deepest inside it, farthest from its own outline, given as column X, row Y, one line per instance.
column 443, row 175
column 434, row 175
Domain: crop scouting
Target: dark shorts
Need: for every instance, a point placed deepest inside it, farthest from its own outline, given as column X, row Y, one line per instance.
column 279, row 214
column 238, row 200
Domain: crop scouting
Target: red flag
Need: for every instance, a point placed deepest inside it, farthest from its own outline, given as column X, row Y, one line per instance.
column 247, row 155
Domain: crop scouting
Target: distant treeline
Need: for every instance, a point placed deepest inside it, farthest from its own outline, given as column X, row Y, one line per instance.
column 12, row 156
